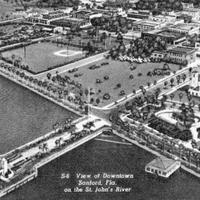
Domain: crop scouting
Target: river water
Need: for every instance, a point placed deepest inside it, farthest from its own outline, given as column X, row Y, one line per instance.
column 102, row 157
column 25, row 116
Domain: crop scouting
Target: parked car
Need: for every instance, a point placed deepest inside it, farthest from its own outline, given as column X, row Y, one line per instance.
column 98, row 81
column 94, row 67
column 122, row 93
column 73, row 70
column 133, row 68
column 78, row 75
column 104, row 63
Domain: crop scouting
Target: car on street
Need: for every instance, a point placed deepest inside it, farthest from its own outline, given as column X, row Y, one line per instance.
column 73, row 70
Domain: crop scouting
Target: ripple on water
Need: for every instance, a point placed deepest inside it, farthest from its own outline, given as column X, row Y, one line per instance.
column 25, row 115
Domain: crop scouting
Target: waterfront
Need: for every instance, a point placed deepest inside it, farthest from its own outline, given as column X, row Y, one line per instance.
column 25, row 115
column 99, row 157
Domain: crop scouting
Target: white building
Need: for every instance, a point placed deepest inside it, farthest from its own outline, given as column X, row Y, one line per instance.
column 163, row 167
column 193, row 12
column 195, row 84
column 185, row 28
column 166, row 19
column 5, row 172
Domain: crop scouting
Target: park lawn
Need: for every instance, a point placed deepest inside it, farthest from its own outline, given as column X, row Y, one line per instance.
column 40, row 56
column 184, row 99
column 118, row 72
column 5, row 8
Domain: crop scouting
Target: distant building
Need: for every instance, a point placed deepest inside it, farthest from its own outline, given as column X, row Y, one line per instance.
column 193, row 12
column 5, row 172
column 180, row 54
column 171, row 38
column 146, row 25
column 54, row 14
column 185, row 28
column 82, row 14
column 69, row 22
column 163, row 167
column 167, row 19
column 138, row 15
column 158, row 55
column 195, row 84
column 187, row 5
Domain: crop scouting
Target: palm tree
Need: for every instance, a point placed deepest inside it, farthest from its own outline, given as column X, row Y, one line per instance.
column 148, row 84
column 13, row 58
column 157, row 92
column 183, row 77
column 49, row 76
column 180, row 96
column 171, row 96
column 172, row 81
column 181, row 149
column 189, row 97
column 178, row 78
column 58, row 142
column 188, row 154
column 43, row 147
column 165, row 84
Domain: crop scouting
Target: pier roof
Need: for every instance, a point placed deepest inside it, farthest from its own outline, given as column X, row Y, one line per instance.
column 161, row 163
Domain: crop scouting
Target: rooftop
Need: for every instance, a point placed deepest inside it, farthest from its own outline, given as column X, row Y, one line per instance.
column 147, row 22
column 185, row 26
column 161, row 163
column 168, row 33
column 180, row 49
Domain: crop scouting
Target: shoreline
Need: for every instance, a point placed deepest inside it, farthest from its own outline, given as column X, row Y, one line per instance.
column 32, row 89
column 48, row 159
column 185, row 168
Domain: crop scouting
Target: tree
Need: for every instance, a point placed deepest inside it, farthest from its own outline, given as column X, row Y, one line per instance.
column 13, row 58
column 164, row 142
column 171, row 96
column 181, row 149
column 180, row 96
column 43, row 147
column 119, row 37
column 49, row 76
column 172, row 81
column 58, row 141
column 165, row 83
column 166, row 66
column 97, row 101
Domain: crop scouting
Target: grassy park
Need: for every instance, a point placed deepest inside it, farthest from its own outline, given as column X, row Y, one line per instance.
column 115, row 78
column 181, row 96
column 43, row 56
